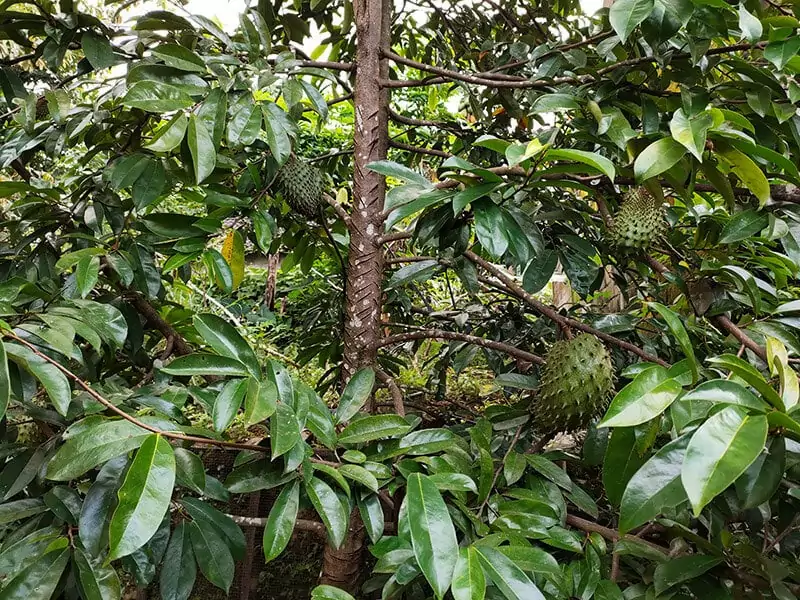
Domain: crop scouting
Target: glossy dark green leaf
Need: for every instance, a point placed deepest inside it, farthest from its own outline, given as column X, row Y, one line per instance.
column 743, row 225
column 212, row 554
column 39, row 580
column 549, row 470
column 489, row 227
column 454, row 482
column 154, row 96
column 647, row 396
column 355, row 395
column 360, row 475
column 5, row 382
column 284, row 430
column 328, row 592
column 228, row 402
column 275, row 127
column 719, row 452
column 202, row 148
column 531, row 559
column 469, row 582
column 189, row 470
column 21, row 509
column 177, row 581
column 725, row 391
column 260, row 401
column 679, row 331
column 750, row 375
column 371, row 512
column 332, row 511
column 657, row 157
column 433, row 536
column 170, row 135
column 97, row 580
column 206, row 364
column 143, row 498
column 508, row 577
column 18, row 555
column 64, row 503
column 180, row 57
column 621, row 461
column 625, row 15
column 96, row 444
column 228, row 530
column 280, row 523
column 52, row 379
column 598, row 162
column 373, row 428
column 225, row 340
column 683, row 568
column 320, row 422
column 98, row 505
column 761, row 479
column 655, row 486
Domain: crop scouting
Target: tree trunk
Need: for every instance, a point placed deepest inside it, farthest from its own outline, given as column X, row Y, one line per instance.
column 363, row 298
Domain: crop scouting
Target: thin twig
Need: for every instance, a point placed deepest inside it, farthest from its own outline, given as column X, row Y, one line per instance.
column 500, row 467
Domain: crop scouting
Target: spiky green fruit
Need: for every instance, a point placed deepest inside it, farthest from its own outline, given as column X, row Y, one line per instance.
column 575, row 385
column 639, row 222
column 301, row 186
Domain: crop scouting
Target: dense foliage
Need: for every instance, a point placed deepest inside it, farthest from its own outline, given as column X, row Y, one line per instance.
column 644, row 158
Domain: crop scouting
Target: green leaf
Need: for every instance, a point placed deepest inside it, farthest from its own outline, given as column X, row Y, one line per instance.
column 157, row 97
column 330, row 508
column 490, row 227
column 724, row 391
column 691, row 131
column 679, row 331
column 625, row 15
column 657, row 158
column 371, row 511
column 328, row 592
column 202, row 149
column 780, row 53
column 277, row 137
column 170, row 135
column 5, row 381
column 647, row 396
column 683, row 568
column 177, row 581
column 280, row 523
column 206, row 364
column 284, row 430
column 433, row 536
column 97, row 581
column 21, row 509
column 750, row 375
column 416, row 271
column 748, row 172
column 189, row 470
column 508, row 577
column 594, row 160
column 750, row 25
column 260, row 401
column 355, row 395
column 149, row 186
column 98, row 505
column 398, row 171
column 427, row 441
column 621, row 461
column 144, row 497
column 212, row 553
column 530, row 558
column 360, row 475
column 180, row 57
column 743, row 225
column 373, row 428
column 550, row 471
column 469, row 582
column 228, row 402
column 213, row 112
column 554, row 103
column 98, row 51
column 39, row 580
column 229, row 531
column 762, row 478
column 655, row 486
column 719, row 452
column 99, row 442
column 52, row 379
column 320, row 421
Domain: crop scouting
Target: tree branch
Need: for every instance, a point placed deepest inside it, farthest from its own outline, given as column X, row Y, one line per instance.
column 432, row 334
column 553, row 315
column 115, row 409
column 730, row 327
column 394, row 390
column 445, row 75
column 299, row 524
column 156, row 321
column 338, row 209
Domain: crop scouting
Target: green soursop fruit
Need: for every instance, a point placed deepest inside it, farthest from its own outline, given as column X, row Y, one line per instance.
column 575, row 385
column 639, row 222
column 301, row 186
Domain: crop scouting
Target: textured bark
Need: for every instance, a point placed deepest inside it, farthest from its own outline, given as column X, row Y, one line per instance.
column 363, row 298
column 365, row 259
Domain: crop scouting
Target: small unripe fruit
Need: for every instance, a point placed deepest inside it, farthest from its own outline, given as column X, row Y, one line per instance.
column 301, row 185
column 639, row 222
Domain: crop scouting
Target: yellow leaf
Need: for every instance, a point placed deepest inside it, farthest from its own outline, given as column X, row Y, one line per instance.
column 233, row 253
